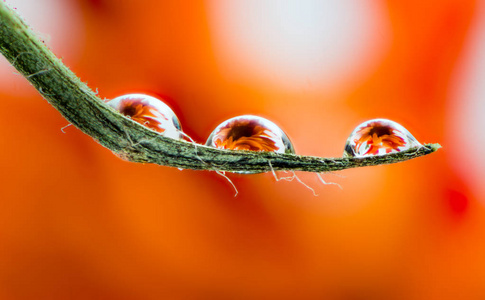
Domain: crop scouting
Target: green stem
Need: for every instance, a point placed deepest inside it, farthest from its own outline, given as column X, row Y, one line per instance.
column 130, row 140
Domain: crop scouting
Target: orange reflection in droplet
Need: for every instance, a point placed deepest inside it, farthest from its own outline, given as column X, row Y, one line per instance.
column 143, row 113
column 378, row 136
column 245, row 135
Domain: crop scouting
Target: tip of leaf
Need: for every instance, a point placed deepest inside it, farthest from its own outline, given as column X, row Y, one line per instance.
column 434, row 147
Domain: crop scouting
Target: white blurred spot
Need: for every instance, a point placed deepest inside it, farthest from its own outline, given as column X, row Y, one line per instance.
column 465, row 130
column 296, row 44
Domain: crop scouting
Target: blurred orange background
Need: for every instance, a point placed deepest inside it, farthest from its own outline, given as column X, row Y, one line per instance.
column 76, row 222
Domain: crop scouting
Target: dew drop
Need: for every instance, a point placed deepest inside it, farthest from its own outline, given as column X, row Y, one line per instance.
column 378, row 137
column 251, row 133
column 150, row 112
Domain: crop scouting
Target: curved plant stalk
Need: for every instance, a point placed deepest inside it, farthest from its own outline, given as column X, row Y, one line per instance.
column 130, row 140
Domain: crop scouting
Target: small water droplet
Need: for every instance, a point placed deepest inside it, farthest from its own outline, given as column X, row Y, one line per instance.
column 251, row 133
column 378, row 137
column 150, row 112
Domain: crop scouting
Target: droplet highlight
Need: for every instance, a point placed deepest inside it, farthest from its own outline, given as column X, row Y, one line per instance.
column 378, row 137
column 149, row 112
column 250, row 133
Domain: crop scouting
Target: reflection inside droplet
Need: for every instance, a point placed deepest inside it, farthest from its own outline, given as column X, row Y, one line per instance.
column 150, row 112
column 250, row 133
column 378, row 137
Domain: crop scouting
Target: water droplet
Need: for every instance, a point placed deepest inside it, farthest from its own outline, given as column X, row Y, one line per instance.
column 250, row 133
column 378, row 137
column 150, row 112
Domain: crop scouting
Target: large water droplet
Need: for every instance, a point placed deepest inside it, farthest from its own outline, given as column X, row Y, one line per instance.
column 378, row 137
column 150, row 112
column 251, row 133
